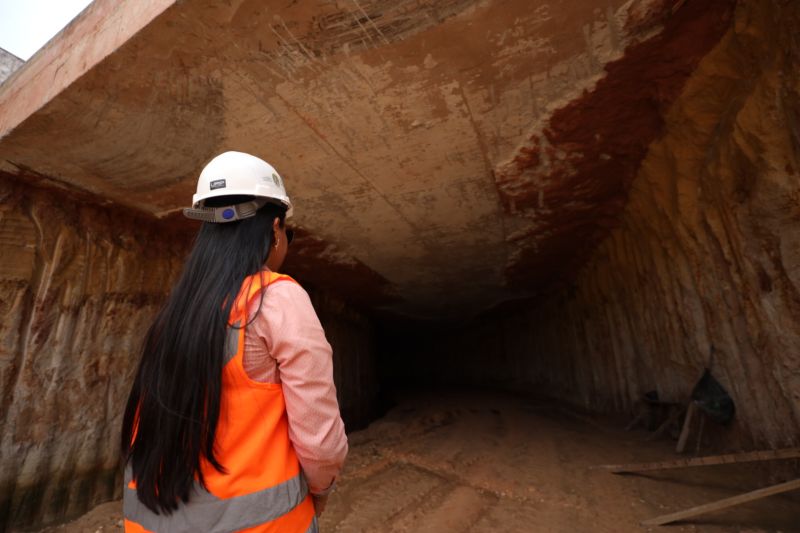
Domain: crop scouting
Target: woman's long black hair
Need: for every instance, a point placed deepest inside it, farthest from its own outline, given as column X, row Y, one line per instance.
column 174, row 405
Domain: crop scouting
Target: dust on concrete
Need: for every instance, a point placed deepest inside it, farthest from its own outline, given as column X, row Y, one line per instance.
column 485, row 462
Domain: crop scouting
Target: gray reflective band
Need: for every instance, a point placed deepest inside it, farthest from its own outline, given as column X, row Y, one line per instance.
column 227, row 213
column 206, row 512
column 232, row 341
column 313, row 527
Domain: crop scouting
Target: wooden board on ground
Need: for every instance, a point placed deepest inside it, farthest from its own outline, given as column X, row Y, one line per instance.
column 723, row 504
column 687, row 424
column 731, row 458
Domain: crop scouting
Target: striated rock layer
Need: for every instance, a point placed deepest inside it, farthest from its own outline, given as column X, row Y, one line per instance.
column 703, row 269
column 79, row 285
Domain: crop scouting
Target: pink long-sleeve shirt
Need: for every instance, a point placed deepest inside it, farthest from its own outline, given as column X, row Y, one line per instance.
column 286, row 344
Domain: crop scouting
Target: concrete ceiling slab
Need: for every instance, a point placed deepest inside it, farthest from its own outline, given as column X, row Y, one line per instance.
column 463, row 152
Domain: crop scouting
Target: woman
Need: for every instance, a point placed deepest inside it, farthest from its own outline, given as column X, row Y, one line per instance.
column 232, row 423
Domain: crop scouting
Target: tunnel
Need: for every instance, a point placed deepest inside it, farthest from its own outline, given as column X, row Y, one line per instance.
column 521, row 224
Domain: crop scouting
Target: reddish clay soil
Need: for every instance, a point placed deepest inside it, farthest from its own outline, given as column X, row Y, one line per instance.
column 483, row 462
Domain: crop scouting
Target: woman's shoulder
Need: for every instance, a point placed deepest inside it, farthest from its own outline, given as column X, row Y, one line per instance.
column 281, row 297
column 285, row 286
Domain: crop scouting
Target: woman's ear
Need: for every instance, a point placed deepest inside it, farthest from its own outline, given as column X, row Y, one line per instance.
column 276, row 230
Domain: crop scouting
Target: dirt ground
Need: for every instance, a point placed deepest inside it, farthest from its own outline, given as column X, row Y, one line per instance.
column 485, row 462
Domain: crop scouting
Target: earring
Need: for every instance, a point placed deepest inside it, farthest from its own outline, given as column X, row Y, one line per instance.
column 277, row 242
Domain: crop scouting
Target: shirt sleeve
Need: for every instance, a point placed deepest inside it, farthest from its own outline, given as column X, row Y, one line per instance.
column 296, row 340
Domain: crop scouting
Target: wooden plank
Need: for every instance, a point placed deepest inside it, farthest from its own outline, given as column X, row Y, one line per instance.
column 745, row 457
column 723, row 504
column 687, row 423
column 700, row 433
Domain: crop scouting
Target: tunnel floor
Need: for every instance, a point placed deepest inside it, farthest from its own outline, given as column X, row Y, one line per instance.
column 467, row 461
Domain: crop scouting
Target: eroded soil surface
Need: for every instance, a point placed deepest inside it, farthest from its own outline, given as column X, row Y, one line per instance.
column 483, row 462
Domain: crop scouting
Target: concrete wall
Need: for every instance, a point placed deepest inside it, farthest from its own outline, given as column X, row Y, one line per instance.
column 8, row 64
column 79, row 285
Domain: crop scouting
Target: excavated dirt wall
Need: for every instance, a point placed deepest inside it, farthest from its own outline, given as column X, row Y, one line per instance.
column 704, row 269
column 706, row 254
column 79, row 284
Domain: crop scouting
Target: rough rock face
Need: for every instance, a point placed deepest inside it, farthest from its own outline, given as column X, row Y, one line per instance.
column 706, row 254
column 566, row 185
column 708, row 250
column 79, row 286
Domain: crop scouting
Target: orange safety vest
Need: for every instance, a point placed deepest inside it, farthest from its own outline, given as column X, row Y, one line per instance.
column 264, row 490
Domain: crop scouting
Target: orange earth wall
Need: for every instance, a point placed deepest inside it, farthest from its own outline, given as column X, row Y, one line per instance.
column 706, row 254
column 708, row 249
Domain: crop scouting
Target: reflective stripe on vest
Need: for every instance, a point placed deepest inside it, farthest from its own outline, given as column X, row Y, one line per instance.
column 264, row 490
column 207, row 512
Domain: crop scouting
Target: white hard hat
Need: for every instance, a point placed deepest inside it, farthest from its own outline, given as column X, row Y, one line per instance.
column 237, row 173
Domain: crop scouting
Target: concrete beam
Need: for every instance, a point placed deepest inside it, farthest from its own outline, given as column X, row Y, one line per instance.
column 93, row 35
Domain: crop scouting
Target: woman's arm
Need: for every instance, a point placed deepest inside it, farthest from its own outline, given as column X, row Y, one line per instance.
column 296, row 340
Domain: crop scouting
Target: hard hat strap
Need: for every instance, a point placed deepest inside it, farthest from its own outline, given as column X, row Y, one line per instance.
column 226, row 213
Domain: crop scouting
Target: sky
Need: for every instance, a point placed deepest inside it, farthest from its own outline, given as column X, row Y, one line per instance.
column 26, row 25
